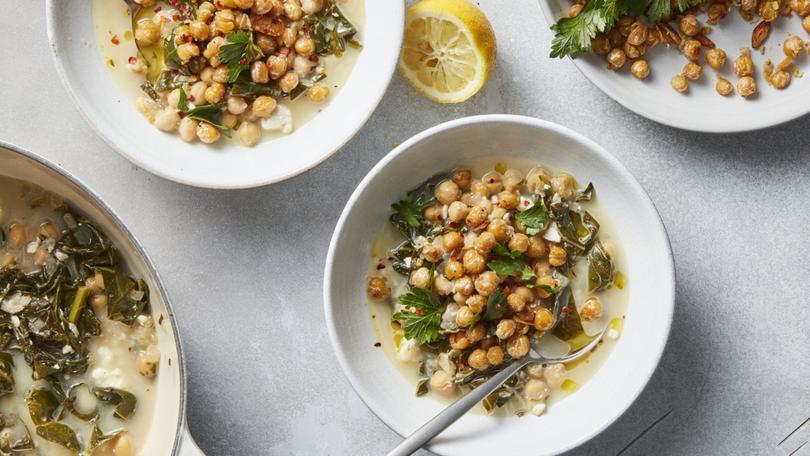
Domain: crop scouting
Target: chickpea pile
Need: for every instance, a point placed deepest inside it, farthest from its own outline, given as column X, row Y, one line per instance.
column 631, row 38
column 285, row 58
column 489, row 317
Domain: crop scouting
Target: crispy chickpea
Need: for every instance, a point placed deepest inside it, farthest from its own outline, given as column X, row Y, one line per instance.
column 616, row 58
column 640, row 69
column 505, row 329
column 442, row 286
column 288, row 82
column 464, row 286
column 780, row 79
column 244, row 4
column 746, row 86
column 519, row 242
column 557, row 256
column 769, row 10
column 499, row 229
column 486, row 283
column 188, row 129
column 652, row 38
column 236, row 105
column 625, row 24
column 147, row 32
column 264, row 106
column 447, row 192
column 457, row 211
column 18, row 235
column 724, row 87
column 600, row 44
column 199, row 30
column 615, row 37
column 433, row 213
column 476, row 217
column 716, row 58
column 420, row 278
column 554, row 374
column 205, row 11
column 258, row 72
column 537, row 247
column 318, row 93
column 638, row 34
column 743, row 65
column 511, row 180
column 215, row 93
column 454, row 269
column 793, row 46
column 508, row 199
column 535, row 390
column 197, row 92
column 480, row 188
column 459, row 341
column 440, row 381
column 516, row 302
column 692, row 71
column 187, row 51
column 432, row 253
column 806, row 24
column 229, row 120
column 592, row 309
column 692, row 49
column 207, row 133
column 462, row 178
column 476, row 303
column 464, row 317
column 495, row 355
column 543, row 319
column 689, row 25
column 452, row 241
column 517, row 346
column 493, row 181
column 484, row 243
column 478, row 359
column 716, row 12
column 574, row 10
column 679, row 83
column 167, row 119
column 225, row 20
column 207, row 74
column 544, row 282
column 220, row 74
column 249, row 132
column 634, row 52
column 311, row 6
column 293, row 10
column 305, row 46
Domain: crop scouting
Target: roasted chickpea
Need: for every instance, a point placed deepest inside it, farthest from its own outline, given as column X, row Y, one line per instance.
column 679, row 83
column 508, row 199
column 197, row 92
column 433, row 213
column 479, row 188
column 476, row 303
column 692, row 71
column 442, row 286
column 288, row 82
column 517, row 346
column 207, row 133
column 793, row 46
column 689, row 25
column 640, row 69
column 724, row 87
column 516, row 302
column 486, row 283
column 199, row 30
column 225, row 20
column 464, row 317
column 592, row 309
column 453, row 269
column 147, row 32
column 616, row 58
column 236, row 105
column 249, row 132
column 440, row 381
column 452, row 241
column 505, row 329
column 519, row 242
column 305, row 46
column 420, row 278
column 535, row 390
column 716, row 58
column 18, row 235
column 318, row 93
column 187, row 51
column 277, row 66
column 600, row 44
column 167, row 120
column 716, row 12
column 615, row 38
column 462, row 178
column 214, row 93
column 459, row 341
column 543, row 319
column 557, row 256
column 806, row 25
column 500, row 230
column 432, row 253
column 512, row 179
column 205, row 11
column 495, row 355
column 187, row 129
column 544, row 282
column 493, row 182
column 484, row 243
column 625, row 24
column 769, row 10
column 692, row 49
column 633, row 52
column 638, row 34
column 743, row 65
column 780, row 79
column 478, row 359
column 746, row 86
column 264, row 106
column 447, row 192
column 574, row 10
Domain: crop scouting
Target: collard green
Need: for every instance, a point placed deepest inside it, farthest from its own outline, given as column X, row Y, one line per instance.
column 600, row 268
column 331, row 31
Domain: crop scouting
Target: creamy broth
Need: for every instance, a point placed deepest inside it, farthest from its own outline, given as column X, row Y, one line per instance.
column 113, row 360
column 112, row 24
column 614, row 299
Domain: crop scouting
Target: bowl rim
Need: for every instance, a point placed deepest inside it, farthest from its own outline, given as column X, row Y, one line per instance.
column 127, row 150
column 660, row 230
column 755, row 124
column 138, row 248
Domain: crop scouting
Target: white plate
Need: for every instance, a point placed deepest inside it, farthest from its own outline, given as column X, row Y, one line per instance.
column 117, row 121
column 612, row 389
column 702, row 108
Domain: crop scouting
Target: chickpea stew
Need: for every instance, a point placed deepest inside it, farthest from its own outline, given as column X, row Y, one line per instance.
column 78, row 346
column 206, row 70
column 467, row 275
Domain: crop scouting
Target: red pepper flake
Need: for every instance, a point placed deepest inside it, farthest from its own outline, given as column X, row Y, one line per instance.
column 567, row 310
column 380, row 266
column 115, row 40
column 191, row 98
column 313, row 58
column 132, row 60
column 158, row 9
column 526, row 203
column 377, row 344
column 390, row 258
column 176, row 17
column 243, row 61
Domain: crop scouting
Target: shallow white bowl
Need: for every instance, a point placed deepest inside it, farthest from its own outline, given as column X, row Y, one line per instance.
column 117, row 121
column 651, row 279
column 701, row 108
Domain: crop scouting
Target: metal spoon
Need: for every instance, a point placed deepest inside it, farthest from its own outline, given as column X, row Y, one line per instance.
column 448, row 416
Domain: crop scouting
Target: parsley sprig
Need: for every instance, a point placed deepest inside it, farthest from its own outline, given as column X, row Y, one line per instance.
column 238, row 53
column 422, row 316
column 210, row 113
column 506, row 263
column 533, row 218
column 573, row 35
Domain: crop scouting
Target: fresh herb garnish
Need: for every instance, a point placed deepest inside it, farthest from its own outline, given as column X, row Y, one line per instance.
column 408, row 212
column 238, row 53
column 182, row 103
column 211, row 114
column 506, row 263
column 533, row 218
column 423, row 315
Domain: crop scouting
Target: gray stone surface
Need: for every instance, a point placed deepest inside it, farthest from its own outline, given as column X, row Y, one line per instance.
column 244, row 268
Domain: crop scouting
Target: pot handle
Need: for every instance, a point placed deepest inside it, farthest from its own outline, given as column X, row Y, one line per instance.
column 187, row 445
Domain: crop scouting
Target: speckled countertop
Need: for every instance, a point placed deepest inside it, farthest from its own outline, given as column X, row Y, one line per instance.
column 244, row 268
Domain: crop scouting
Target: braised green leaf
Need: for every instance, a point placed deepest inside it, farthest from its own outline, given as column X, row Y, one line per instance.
column 331, row 31
column 212, row 114
column 600, row 268
column 61, row 434
column 496, row 306
column 42, row 405
column 123, row 401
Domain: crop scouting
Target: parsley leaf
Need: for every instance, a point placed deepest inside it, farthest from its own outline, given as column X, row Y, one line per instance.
column 238, row 53
column 533, row 218
column 496, row 306
column 573, row 35
column 422, row 317
column 210, row 113
column 408, row 212
column 182, row 103
column 506, row 263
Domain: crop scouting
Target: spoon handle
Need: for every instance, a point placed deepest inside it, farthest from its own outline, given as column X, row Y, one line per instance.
column 452, row 413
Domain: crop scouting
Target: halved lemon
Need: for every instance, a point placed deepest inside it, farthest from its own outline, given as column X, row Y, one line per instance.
column 448, row 50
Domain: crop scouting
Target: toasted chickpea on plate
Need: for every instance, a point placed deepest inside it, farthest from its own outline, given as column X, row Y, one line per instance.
column 243, row 68
column 631, row 29
column 469, row 268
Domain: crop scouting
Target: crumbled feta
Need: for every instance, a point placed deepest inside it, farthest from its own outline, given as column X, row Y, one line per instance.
column 409, row 351
column 525, row 203
column 15, row 303
column 552, row 233
column 67, row 349
column 538, row 409
column 15, row 320
column 104, row 354
column 32, row 246
column 281, row 120
column 107, row 378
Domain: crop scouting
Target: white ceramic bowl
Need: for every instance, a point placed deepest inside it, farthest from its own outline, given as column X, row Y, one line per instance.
column 702, row 108
column 604, row 397
column 118, row 122
column 168, row 432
